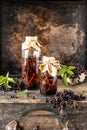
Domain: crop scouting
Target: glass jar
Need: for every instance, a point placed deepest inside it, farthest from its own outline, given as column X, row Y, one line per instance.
column 48, row 75
column 48, row 84
column 30, row 61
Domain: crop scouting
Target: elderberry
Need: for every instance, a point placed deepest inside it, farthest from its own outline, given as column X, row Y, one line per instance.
column 33, row 97
column 65, row 100
column 12, row 96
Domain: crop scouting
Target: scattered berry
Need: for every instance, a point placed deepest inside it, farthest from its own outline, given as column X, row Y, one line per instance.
column 33, row 97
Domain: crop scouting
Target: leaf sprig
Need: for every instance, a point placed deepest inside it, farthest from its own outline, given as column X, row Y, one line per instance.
column 65, row 72
column 5, row 80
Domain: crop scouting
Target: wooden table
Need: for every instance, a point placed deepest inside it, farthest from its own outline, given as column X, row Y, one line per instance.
column 33, row 111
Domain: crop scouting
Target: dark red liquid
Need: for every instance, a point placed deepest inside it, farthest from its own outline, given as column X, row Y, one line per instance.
column 48, row 84
column 29, row 74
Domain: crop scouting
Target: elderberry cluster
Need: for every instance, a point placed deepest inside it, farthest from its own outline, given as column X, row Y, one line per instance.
column 65, row 100
column 78, row 68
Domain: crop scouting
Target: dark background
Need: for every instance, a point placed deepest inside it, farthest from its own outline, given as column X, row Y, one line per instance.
column 24, row 17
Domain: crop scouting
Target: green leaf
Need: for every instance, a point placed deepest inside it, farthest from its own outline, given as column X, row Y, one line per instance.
column 6, row 83
column 7, row 75
column 70, row 72
column 11, row 80
column 8, row 86
column 23, row 92
column 5, row 80
column 71, row 67
column 2, row 80
column 65, row 79
column 1, row 77
column 62, row 71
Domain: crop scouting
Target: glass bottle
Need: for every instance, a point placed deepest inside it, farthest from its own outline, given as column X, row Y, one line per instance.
column 48, row 75
column 31, row 50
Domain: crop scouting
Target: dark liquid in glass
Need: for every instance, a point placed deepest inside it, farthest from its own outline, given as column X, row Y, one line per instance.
column 48, row 84
column 29, row 74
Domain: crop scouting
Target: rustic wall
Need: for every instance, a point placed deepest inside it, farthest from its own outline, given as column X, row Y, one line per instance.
column 60, row 27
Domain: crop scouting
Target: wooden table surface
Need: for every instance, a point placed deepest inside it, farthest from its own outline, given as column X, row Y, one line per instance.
column 30, row 112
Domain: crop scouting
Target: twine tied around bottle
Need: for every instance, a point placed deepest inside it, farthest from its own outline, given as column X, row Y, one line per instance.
column 49, row 64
